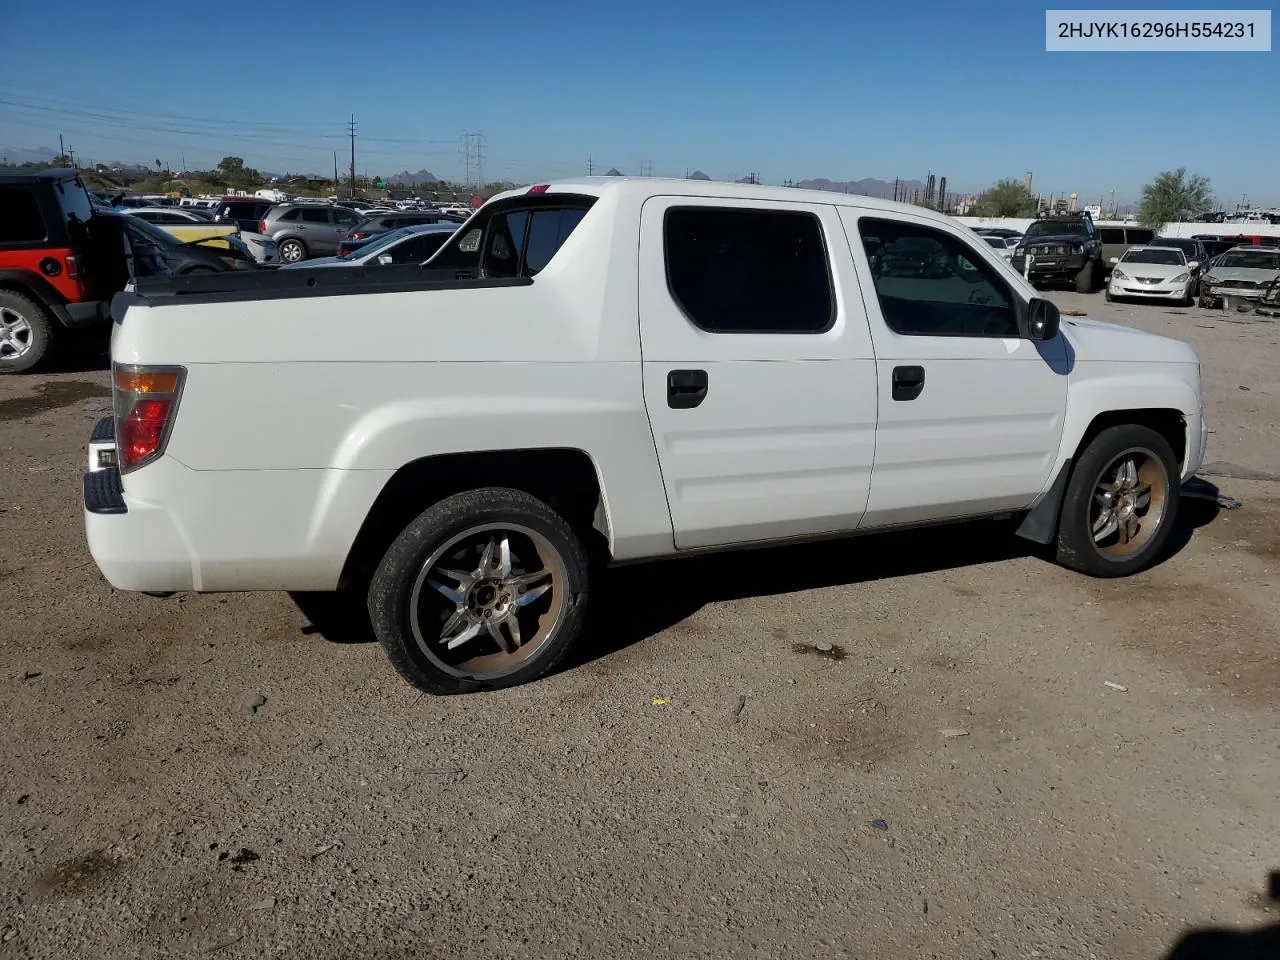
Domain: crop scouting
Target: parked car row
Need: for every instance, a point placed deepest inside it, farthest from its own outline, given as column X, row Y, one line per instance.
column 303, row 229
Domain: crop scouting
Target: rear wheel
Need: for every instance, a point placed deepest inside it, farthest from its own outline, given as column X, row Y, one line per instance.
column 486, row 589
column 26, row 333
column 292, row 250
column 1120, row 503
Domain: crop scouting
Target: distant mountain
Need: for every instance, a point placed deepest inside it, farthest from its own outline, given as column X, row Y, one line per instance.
column 614, row 172
column 20, row 155
column 866, row 188
column 698, row 175
column 421, row 176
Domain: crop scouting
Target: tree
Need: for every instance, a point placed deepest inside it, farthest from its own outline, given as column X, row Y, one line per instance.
column 1005, row 198
column 234, row 173
column 1173, row 197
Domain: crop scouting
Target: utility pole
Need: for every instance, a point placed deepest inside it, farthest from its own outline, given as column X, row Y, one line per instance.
column 591, row 167
column 353, row 155
column 335, row 171
column 62, row 150
column 646, row 168
column 71, row 153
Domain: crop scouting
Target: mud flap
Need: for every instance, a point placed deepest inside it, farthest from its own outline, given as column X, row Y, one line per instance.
column 1041, row 524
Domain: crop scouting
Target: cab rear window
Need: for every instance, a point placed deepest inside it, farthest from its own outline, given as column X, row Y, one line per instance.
column 518, row 239
column 20, row 218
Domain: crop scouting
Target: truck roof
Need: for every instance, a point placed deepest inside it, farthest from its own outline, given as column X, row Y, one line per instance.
column 644, row 187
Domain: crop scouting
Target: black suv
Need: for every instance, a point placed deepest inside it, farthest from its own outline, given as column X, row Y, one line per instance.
column 244, row 212
column 1062, row 246
column 60, row 263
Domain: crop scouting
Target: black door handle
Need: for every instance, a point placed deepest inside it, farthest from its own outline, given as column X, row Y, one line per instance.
column 908, row 382
column 686, row 388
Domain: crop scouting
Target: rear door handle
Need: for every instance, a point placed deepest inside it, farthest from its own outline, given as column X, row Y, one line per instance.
column 686, row 388
column 908, row 382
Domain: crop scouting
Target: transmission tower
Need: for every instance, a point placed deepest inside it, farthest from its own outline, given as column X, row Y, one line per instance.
column 591, row 167
column 473, row 158
column 646, row 168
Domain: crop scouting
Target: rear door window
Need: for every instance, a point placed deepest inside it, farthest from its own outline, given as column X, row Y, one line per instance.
column 749, row 271
column 1137, row 236
column 20, row 218
column 311, row 215
column 1112, row 235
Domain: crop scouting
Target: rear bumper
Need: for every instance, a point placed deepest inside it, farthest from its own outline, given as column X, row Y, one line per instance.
column 168, row 528
column 80, row 316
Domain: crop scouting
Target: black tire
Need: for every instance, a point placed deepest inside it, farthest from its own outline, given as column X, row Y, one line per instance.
column 1076, row 547
column 431, row 535
column 1108, row 296
column 1086, row 279
column 291, row 243
column 30, row 347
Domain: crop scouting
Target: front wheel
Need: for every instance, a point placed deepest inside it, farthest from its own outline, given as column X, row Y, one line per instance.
column 485, row 589
column 1120, row 504
column 1085, row 279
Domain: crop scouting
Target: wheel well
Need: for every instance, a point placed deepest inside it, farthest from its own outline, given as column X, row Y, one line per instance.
column 564, row 478
column 1170, row 424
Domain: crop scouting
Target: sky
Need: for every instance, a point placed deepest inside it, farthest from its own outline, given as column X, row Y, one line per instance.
column 804, row 89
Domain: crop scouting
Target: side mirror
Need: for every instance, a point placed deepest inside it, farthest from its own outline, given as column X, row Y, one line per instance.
column 1194, row 265
column 1041, row 320
column 1115, row 259
column 384, row 258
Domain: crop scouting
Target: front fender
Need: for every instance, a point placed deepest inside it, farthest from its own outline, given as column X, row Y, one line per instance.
column 1098, row 388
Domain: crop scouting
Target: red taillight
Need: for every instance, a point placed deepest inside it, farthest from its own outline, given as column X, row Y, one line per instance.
column 145, row 401
column 540, row 188
column 262, row 226
column 73, row 265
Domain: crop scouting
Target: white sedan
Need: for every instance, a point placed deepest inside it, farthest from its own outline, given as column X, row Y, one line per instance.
column 1152, row 273
column 1002, row 245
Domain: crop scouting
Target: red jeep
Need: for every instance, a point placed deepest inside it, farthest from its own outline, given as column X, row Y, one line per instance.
column 58, row 268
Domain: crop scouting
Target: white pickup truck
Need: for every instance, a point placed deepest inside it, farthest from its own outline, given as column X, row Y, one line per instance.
column 612, row 370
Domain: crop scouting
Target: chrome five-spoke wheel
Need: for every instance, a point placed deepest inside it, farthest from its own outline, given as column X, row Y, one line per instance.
column 485, row 589
column 1128, row 502
column 487, row 600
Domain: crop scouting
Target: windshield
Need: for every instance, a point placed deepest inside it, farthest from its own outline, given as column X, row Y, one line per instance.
column 1166, row 256
column 1186, row 246
column 1055, row 228
column 1251, row 259
column 386, row 240
column 996, row 242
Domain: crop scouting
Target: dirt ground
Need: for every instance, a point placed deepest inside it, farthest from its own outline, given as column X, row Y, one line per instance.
column 700, row 781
